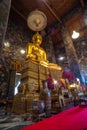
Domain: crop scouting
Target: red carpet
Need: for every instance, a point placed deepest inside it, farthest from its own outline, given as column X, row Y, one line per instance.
column 72, row 119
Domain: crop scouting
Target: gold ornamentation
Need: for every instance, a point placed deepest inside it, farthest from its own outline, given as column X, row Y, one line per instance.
column 35, row 52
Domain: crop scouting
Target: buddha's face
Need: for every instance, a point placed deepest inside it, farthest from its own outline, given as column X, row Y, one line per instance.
column 37, row 39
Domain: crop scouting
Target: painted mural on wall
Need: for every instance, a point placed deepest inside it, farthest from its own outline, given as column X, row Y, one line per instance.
column 71, row 54
column 16, row 39
column 81, row 45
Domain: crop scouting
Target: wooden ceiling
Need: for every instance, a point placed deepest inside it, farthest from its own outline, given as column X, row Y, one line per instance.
column 54, row 9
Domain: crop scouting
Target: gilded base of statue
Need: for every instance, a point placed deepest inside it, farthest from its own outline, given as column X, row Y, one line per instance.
column 23, row 103
column 33, row 73
column 55, row 71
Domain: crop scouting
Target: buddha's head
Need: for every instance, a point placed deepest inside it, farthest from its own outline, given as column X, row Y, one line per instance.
column 37, row 39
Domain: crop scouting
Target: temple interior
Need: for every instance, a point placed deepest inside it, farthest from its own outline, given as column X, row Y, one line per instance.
column 43, row 63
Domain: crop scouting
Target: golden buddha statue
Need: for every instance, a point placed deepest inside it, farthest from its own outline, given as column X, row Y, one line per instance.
column 34, row 51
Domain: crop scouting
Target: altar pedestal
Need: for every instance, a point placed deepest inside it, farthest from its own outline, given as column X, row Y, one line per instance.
column 33, row 74
column 24, row 103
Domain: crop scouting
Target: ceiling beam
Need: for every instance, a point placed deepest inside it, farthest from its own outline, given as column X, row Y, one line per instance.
column 82, row 3
column 53, row 13
column 20, row 14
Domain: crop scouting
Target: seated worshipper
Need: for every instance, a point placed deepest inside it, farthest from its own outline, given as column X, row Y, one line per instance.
column 34, row 51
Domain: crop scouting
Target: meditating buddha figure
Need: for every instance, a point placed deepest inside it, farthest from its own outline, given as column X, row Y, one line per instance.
column 34, row 51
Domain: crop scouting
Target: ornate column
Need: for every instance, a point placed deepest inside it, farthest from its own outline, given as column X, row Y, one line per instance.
column 4, row 15
column 71, row 53
column 48, row 45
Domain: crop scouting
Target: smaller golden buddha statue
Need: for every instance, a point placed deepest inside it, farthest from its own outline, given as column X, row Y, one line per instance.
column 34, row 51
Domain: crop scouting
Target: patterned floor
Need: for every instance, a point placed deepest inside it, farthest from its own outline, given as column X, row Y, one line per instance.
column 12, row 121
column 16, row 122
